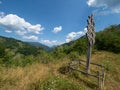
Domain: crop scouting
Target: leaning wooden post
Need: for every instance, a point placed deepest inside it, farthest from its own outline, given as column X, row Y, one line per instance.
column 99, row 81
column 91, row 39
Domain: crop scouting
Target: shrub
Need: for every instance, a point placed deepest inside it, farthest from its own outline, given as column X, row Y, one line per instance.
column 64, row 69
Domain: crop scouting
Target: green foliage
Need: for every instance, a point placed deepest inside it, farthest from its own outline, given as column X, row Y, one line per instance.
column 74, row 56
column 19, row 47
column 64, row 69
column 56, row 83
column 58, row 53
column 79, row 46
column 17, row 53
column 17, row 60
column 44, row 57
column 2, row 51
column 109, row 39
column 21, row 62
column 28, row 50
column 9, row 42
column 75, row 74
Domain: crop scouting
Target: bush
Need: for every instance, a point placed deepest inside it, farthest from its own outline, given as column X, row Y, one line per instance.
column 64, row 69
column 17, row 60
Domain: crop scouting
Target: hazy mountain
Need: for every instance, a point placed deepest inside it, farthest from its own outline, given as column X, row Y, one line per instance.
column 37, row 44
column 18, row 46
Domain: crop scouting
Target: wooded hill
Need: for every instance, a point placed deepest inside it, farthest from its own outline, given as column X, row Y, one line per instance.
column 18, row 46
column 18, row 53
column 107, row 40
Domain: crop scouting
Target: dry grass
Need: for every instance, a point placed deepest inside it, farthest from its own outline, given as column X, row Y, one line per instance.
column 111, row 62
column 20, row 78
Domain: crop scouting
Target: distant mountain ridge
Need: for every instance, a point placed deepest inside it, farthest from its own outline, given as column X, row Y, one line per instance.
column 37, row 44
column 14, row 42
column 18, row 46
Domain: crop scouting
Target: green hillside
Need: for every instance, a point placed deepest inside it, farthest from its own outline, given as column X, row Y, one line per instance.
column 27, row 67
column 18, row 46
column 17, row 53
column 107, row 40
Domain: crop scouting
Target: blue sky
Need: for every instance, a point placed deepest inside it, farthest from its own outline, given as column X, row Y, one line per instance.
column 54, row 22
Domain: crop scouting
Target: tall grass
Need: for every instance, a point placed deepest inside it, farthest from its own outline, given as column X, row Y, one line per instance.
column 49, row 77
column 19, row 78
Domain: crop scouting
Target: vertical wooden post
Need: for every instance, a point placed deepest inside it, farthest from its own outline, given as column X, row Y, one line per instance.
column 88, row 58
column 103, row 76
column 99, row 82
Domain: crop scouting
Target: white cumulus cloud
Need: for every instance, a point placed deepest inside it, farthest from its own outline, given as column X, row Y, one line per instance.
column 35, row 29
column 32, row 37
column 20, row 32
column 8, row 31
column 57, row 29
column 90, row 2
column 105, row 6
column 19, row 25
column 50, row 42
column 85, row 30
column 74, row 35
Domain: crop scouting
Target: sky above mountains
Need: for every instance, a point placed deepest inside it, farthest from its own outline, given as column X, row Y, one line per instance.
column 54, row 22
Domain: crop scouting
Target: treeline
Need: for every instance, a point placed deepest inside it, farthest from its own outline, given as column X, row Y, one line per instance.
column 109, row 39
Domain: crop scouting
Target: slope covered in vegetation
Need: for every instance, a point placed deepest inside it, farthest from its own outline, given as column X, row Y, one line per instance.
column 107, row 40
column 17, row 53
column 26, row 67
column 19, row 46
column 49, row 77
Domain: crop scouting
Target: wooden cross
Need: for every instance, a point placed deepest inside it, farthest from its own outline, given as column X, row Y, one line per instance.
column 91, row 39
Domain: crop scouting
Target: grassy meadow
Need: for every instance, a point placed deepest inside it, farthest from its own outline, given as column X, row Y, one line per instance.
column 27, row 67
column 39, row 76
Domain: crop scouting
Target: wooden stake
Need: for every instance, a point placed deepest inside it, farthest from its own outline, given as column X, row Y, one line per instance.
column 88, row 58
